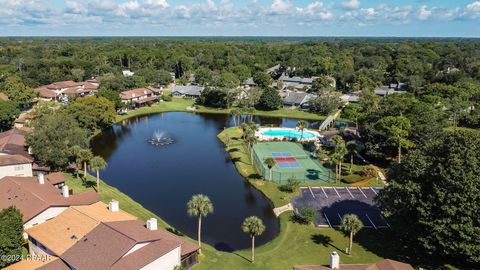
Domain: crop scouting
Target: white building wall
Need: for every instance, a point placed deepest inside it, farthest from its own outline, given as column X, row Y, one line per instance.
column 136, row 247
column 24, row 170
column 44, row 216
column 166, row 262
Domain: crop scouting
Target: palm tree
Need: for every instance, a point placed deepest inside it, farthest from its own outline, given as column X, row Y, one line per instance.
column 254, row 227
column 301, row 125
column 97, row 163
column 75, row 150
column 84, row 156
column 199, row 206
column 351, row 148
column 339, row 154
column 270, row 162
column 351, row 224
column 251, row 140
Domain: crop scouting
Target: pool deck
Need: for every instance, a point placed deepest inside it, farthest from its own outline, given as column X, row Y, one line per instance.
column 259, row 134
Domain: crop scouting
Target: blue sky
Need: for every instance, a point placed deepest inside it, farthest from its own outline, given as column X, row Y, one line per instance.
column 413, row 18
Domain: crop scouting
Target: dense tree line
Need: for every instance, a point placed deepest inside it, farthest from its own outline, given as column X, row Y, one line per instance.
column 351, row 62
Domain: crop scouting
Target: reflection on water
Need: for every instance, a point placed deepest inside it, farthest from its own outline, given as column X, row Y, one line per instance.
column 164, row 178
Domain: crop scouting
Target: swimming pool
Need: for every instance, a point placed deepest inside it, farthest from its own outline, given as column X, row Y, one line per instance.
column 287, row 132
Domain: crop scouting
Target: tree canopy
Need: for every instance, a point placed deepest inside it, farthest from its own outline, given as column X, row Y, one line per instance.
column 433, row 197
column 11, row 235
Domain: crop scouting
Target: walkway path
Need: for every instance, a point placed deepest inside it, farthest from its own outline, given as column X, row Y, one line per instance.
column 280, row 210
column 330, row 119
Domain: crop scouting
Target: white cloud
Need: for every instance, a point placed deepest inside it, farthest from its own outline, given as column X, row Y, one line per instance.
column 75, row 7
column 473, row 10
column 281, row 6
column 424, row 13
column 350, row 4
column 157, row 3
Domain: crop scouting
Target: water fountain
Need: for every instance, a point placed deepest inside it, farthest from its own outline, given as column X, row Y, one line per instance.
column 159, row 139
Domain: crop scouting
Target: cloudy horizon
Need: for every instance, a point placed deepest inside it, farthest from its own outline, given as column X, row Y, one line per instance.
column 403, row 18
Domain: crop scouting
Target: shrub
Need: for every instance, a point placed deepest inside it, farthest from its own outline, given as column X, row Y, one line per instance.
column 290, row 186
column 167, row 98
column 306, row 216
column 353, row 178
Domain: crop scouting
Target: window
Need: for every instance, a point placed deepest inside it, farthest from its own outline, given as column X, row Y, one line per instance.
column 18, row 168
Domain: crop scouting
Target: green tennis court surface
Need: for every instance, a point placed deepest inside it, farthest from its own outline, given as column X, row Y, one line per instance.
column 292, row 161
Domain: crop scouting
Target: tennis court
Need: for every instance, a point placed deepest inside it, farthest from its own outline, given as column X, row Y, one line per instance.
column 292, row 162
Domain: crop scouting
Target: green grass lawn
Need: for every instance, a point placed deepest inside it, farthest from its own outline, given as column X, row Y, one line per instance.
column 181, row 104
column 299, row 244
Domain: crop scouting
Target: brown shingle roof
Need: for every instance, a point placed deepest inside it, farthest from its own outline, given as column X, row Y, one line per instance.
column 55, row 265
column 135, row 93
column 13, row 160
column 61, row 85
column 55, row 178
column 145, row 255
column 32, row 198
column 44, row 92
column 63, row 231
column 12, row 142
column 103, row 247
column 106, row 246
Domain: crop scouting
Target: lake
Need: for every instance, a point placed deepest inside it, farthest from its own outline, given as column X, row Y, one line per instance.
column 163, row 178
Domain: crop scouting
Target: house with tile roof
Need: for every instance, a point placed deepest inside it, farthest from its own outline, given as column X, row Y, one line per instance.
column 141, row 96
column 57, row 235
column 14, row 157
column 59, row 90
column 38, row 200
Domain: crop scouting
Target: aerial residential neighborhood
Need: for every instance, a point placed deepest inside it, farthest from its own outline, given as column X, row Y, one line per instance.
column 269, row 134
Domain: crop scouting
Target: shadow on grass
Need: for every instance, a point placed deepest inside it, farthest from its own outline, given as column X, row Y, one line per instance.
column 255, row 176
column 232, row 150
column 243, row 257
column 325, row 241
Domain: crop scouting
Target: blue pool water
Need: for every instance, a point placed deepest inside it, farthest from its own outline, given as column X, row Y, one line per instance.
column 288, row 133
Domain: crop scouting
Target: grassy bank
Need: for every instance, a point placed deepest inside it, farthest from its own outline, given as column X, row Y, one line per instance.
column 108, row 193
column 181, row 104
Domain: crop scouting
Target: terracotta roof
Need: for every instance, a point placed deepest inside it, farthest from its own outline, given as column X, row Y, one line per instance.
column 13, row 141
column 44, row 92
column 66, row 87
column 32, row 263
column 23, row 117
column 61, row 85
column 106, row 246
column 145, row 100
column 134, row 93
column 385, row 264
column 55, row 178
column 13, row 160
column 3, row 97
column 32, row 198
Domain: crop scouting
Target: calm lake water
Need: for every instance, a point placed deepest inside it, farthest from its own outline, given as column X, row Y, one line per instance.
column 163, row 178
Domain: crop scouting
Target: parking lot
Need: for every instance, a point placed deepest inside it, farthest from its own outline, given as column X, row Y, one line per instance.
column 332, row 203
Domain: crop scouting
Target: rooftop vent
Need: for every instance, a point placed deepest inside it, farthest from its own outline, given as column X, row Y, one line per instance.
column 65, row 192
column 152, row 224
column 41, row 178
column 113, row 205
